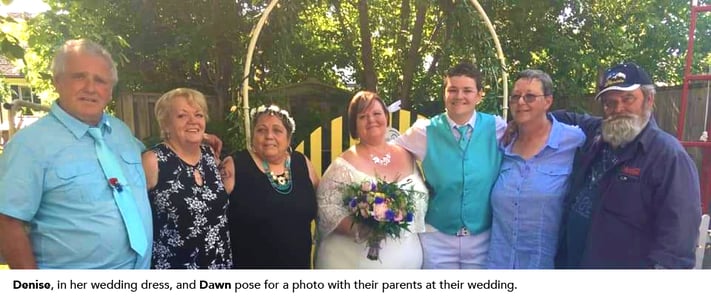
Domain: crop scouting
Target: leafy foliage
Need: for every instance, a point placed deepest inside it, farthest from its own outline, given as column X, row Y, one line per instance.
column 9, row 44
column 163, row 44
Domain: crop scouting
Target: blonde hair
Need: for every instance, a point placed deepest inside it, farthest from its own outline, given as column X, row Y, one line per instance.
column 164, row 103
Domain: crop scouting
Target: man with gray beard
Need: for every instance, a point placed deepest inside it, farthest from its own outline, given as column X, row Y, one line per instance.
column 634, row 199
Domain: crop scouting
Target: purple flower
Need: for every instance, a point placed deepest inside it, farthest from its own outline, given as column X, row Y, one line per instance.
column 353, row 202
column 379, row 200
column 409, row 217
column 390, row 215
column 372, row 186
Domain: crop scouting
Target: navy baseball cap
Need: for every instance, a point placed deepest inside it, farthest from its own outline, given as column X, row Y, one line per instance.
column 623, row 77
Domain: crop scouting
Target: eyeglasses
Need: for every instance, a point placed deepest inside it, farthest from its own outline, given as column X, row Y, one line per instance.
column 528, row 98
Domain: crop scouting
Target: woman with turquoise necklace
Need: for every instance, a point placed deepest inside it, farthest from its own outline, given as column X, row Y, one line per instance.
column 273, row 202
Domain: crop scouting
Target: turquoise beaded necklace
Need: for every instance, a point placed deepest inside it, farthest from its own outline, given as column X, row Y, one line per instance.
column 281, row 183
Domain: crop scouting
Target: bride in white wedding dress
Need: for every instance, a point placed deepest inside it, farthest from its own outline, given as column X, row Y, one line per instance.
column 339, row 243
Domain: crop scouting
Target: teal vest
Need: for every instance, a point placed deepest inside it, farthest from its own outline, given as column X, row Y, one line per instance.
column 461, row 181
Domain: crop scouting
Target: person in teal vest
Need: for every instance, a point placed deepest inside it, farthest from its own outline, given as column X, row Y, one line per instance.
column 461, row 160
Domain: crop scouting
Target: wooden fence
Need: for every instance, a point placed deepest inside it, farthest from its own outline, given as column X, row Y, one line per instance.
column 136, row 110
column 666, row 110
column 667, row 104
column 331, row 140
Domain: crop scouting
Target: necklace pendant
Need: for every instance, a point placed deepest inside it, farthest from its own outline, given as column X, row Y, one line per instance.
column 281, row 183
column 384, row 161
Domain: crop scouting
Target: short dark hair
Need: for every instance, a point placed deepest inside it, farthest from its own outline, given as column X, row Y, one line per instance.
column 465, row 69
column 543, row 77
column 361, row 101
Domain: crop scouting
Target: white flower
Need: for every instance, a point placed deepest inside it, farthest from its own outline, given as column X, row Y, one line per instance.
column 276, row 110
column 259, row 109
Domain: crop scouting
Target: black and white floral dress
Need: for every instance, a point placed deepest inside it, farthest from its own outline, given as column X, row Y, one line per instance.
column 190, row 229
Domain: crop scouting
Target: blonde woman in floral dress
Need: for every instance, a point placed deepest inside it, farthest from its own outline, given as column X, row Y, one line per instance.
column 341, row 242
column 187, row 194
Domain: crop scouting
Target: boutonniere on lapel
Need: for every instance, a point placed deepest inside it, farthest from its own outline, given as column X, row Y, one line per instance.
column 114, row 184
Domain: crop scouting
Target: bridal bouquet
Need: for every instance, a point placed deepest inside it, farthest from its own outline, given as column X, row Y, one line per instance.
column 384, row 207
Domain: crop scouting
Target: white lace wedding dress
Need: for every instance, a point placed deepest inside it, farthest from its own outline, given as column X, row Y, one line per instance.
column 338, row 251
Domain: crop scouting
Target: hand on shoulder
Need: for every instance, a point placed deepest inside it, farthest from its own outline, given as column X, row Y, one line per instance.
column 214, row 142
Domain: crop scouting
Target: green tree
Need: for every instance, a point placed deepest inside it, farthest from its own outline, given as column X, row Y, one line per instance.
column 399, row 47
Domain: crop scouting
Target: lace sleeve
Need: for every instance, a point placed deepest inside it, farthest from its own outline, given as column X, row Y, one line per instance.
column 329, row 196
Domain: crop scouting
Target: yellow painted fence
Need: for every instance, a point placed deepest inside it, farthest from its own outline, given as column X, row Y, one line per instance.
column 326, row 143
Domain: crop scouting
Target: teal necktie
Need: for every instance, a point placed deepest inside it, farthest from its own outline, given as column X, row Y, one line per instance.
column 463, row 138
column 122, row 193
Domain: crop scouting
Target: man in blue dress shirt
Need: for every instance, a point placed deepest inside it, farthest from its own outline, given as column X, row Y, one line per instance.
column 57, row 209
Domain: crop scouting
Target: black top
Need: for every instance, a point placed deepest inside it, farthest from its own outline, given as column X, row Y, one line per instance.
column 190, row 228
column 271, row 230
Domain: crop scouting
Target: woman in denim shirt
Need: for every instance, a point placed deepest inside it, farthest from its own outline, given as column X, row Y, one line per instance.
column 527, row 199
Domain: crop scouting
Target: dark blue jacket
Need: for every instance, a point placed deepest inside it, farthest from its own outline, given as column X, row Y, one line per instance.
column 649, row 208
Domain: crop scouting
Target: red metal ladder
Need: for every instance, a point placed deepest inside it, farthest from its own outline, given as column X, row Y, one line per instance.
column 705, row 175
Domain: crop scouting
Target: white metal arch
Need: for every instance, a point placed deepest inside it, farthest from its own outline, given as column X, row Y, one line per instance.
column 265, row 15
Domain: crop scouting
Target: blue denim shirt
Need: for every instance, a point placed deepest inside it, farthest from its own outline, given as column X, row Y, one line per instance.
column 527, row 202
column 51, row 179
